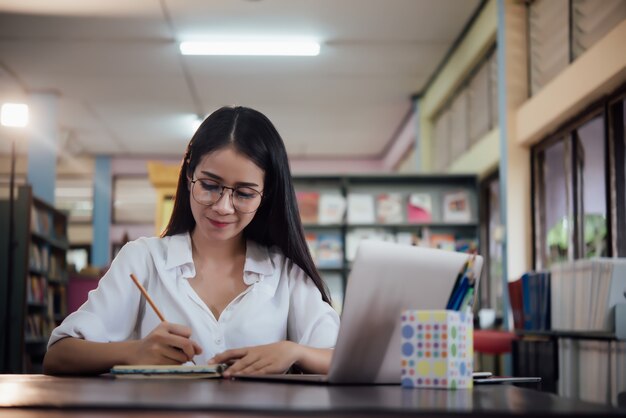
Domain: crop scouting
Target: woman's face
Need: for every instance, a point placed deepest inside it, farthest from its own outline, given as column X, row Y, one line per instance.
column 220, row 221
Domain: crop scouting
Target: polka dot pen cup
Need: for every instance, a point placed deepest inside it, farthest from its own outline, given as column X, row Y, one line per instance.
column 437, row 349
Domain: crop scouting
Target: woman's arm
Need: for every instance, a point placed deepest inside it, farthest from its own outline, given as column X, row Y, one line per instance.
column 275, row 358
column 76, row 356
column 166, row 344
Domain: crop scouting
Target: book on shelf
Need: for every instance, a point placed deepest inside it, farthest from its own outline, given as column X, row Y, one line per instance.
column 443, row 242
column 311, row 241
column 361, row 208
column 466, row 245
column 36, row 289
column 419, row 208
column 516, row 302
column 308, row 205
column 332, row 208
column 584, row 294
column 407, row 238
column 389, row 208
column 456, row 207
column 40, row 222
column 329, row 250
column 355, row 236
column 530, row 301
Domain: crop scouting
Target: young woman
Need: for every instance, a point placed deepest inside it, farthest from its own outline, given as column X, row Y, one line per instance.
column 232, row 273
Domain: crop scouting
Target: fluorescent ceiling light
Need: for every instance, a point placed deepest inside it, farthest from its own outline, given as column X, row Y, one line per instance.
column 14, row 115
column 291, row 48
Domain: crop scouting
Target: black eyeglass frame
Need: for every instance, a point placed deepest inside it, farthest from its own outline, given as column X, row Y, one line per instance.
column 232, row 192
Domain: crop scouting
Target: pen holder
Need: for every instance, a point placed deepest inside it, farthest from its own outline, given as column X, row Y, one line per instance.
column 437, row 349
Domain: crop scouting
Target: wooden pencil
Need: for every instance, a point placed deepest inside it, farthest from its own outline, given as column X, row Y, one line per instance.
column 147, row 296
column 150, row 301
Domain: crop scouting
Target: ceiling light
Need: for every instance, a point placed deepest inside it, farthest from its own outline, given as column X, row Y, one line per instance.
column 14, row 115
column 289, row 48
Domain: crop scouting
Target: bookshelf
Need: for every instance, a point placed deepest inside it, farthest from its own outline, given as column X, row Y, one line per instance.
column 38, row 298
column 571, row 324
column 338, row 211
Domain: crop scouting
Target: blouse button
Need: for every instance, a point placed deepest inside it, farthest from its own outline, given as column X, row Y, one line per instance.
column 218, row 341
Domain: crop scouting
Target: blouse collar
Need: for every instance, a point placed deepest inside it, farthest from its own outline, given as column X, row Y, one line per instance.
column 179, row 254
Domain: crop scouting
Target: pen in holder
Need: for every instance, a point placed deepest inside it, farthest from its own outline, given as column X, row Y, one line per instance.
column 437, row 349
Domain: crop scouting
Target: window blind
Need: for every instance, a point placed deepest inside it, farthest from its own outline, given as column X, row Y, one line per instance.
column 134, row 200
column 478, row 109
column 549, row 41
column 458, row 125
column 442, row 135
column 75, row 195
column 592, row 20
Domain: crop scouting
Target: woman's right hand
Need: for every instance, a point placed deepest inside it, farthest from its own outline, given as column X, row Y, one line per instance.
column 167, row 344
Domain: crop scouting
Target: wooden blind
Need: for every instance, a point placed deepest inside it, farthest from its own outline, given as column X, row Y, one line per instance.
column 459, row 125
column 549, row 41
column 592, row 20
column 478, row 109
column 442, row 135
column 134, row 200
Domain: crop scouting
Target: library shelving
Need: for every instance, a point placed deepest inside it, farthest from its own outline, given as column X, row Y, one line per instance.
column 338, row 211
column 37, row 302
column 571, row 326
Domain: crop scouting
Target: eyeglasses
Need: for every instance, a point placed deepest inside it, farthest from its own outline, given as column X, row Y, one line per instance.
column 208, row 192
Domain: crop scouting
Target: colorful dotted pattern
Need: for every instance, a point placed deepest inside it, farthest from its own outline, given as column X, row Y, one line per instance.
column 437, row 349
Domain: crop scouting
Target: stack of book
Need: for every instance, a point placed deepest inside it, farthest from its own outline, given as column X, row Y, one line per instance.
column 585, row 292
column 530, row 301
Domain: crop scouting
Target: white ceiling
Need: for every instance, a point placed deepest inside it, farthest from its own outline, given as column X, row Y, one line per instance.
column 125, row 90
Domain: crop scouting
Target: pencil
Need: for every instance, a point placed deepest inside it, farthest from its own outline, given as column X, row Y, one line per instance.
column 150, row 301
column 148, row 298
column 457, row 282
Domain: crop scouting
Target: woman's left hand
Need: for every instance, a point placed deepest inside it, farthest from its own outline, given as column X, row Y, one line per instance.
column 261, row 359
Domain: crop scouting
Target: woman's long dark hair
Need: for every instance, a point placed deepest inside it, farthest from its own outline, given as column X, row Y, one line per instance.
column 277, row 221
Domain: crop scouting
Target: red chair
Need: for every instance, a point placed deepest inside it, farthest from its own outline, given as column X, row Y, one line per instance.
column 493, row 342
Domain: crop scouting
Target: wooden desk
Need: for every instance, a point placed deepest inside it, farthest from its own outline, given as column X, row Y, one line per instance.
column 44, row 396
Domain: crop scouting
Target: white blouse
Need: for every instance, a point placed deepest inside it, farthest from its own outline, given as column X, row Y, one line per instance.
column 281, row 302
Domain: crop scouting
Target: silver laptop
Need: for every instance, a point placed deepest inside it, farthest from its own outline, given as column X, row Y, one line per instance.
column 385, row 279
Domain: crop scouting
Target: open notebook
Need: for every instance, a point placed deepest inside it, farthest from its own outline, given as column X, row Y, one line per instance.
column 168, row 372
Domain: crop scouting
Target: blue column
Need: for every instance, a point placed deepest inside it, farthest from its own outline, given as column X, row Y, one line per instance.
column 102, row 204
column 503, row 168
column 43, row 144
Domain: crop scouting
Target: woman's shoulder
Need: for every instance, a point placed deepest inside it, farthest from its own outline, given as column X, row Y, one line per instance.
column 151, row 245
column 271, row 257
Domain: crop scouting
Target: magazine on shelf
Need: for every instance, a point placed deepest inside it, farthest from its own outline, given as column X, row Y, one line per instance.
column 355, row 236
column 308, row 204
column 456, row 207
column 311, row 241
column 443, row 242
column 419, row 208
column 332, row 208
column 389, row 208
column 361, row 208
column 329, row 250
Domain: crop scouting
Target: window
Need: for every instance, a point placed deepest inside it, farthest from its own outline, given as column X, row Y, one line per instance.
column 591, row 159
column 491, row 243
column 134, row 200
column 579, row 181
column 75, row 195
column 556, row 223
column 468, row 115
